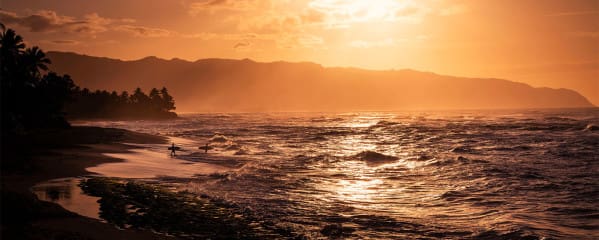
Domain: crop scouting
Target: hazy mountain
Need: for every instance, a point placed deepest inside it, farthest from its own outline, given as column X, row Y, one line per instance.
column 244, row 85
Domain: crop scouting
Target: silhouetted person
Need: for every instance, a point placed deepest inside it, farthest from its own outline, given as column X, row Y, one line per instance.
column 206, row 149
column 173, row 150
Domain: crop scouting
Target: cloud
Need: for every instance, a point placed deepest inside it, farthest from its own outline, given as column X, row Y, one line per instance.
column 296, row 24
column 243, row 46
column 295, row 40
column 230, row 5
column 272, row 25
column 141, row 31
column 50, row 21
column 89, row 25
column 60, row 42
column 65, row 42
column 310, row 16
column 453, row 10
column 293, row 24
column 344, row 13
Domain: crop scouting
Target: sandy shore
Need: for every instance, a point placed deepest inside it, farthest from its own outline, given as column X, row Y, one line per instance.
column 144, row 163
column 44, row 155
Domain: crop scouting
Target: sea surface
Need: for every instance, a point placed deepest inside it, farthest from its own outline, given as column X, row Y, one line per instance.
column 526, row 174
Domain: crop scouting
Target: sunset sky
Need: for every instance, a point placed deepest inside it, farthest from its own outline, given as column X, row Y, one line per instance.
column 552, row 43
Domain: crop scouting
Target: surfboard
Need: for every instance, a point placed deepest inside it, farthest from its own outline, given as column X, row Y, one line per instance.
column 176, row 148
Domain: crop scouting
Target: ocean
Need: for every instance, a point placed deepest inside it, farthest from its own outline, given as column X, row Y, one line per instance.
column 504, row 174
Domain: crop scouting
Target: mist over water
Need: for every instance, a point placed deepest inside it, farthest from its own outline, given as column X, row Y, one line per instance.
column 476, row 174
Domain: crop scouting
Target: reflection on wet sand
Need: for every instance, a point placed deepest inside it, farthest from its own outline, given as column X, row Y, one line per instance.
column 66, row 193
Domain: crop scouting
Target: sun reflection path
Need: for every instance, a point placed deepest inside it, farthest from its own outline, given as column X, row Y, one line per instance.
column 358, row 190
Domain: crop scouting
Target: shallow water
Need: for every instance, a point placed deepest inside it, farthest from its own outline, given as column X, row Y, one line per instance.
column 144, row 163
column 66, row 192
column 456, row 175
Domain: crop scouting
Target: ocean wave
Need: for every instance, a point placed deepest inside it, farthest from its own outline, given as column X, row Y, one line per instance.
column 453, row 195
column 512, row 149
column 591, row 128
column 516, row 235
column 384, row 123
column 462, row 149
column 373, row 157
column 314, row 172
column 219, row 138
column 326, row 119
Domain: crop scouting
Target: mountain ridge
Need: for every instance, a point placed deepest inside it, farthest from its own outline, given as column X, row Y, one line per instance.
column 218, row 84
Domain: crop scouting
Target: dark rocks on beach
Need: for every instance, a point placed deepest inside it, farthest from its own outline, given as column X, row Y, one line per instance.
column 141, row 206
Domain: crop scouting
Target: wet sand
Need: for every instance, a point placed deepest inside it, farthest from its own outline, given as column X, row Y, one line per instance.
column 67, row 193
column 50, row 154
column 143, row 163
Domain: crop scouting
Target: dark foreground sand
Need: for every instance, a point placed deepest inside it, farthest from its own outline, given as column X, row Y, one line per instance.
column 43, row 155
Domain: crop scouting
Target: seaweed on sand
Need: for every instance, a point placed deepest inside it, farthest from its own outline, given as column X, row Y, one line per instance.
column 142, row 206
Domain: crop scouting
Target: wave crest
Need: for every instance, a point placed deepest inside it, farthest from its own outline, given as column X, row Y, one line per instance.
column 373, row 157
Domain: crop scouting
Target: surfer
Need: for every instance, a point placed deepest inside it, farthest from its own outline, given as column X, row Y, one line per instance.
column 206, row 149
column 172, row 148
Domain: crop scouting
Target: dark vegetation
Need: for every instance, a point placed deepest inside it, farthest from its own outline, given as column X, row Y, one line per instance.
column 29, row 98
column 137, row 205
column 34, row 131
column 158, row 104
column 34, row 98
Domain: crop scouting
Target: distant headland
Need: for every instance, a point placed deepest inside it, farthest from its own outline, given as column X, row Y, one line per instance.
column 221, row 85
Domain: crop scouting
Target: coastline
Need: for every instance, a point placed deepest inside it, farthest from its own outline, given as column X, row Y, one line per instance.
column 50, row 154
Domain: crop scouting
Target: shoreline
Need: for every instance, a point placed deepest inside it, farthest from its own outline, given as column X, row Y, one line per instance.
column 50, row 154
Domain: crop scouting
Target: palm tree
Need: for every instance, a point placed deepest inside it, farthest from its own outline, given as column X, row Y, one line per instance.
column 168, row 103
column 11, row 48
column 35, row 60
column 155, row 100
column 10, row 43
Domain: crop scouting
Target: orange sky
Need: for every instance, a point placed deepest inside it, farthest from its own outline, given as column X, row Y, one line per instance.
column 553, row 43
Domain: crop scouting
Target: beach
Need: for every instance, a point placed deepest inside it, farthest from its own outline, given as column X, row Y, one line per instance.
column 43, row 155
column 513, row 174
column 452, row 175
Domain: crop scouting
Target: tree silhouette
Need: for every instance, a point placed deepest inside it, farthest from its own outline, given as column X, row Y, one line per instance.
column 124, row 98
column 112, row 105
column 35, row 60
column 10, row 50
column 12, row 46
column 155, row 100
column 168, row 103
column 32, row 99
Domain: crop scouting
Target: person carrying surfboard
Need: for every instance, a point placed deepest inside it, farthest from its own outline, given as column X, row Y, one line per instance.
column 173, row 148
